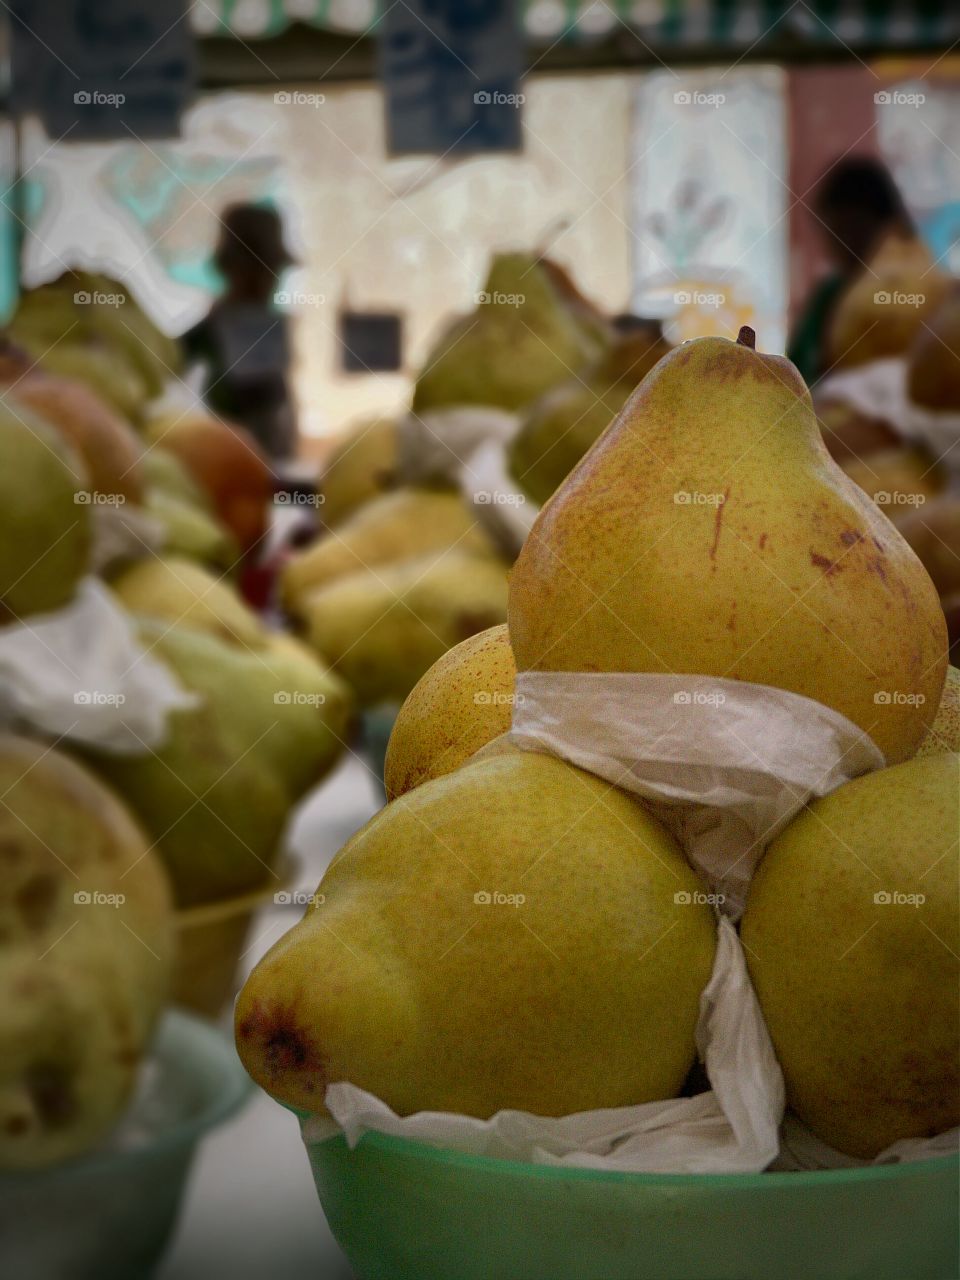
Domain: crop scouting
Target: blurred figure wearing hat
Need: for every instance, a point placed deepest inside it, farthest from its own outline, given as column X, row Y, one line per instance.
column 243, row 342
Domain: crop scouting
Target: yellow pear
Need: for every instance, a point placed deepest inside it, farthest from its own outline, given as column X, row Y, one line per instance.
column 88, row 940
column 933, row 530
column 182, row 591
column 851, row 933
column 396, row 526
column 944, row 735
column 933, row 375
column 517, row 934
column 888, row 304
column 383, row 629
column 709, row 532
column 361, row 466
column 463, row 702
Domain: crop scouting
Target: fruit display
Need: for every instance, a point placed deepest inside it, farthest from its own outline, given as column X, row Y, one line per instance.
column 84, row 891
column 701, row 567
column 463, row 702
column 45, row 534
column 564, row 423
column 933, row 361
column 898, row 480
column 360, row 466
column 182, row 591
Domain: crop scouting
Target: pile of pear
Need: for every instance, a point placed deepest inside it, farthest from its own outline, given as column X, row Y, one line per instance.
column 511, row 932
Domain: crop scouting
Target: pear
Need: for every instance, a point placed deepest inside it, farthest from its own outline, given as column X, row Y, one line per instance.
column 512, row 935
column 944, row 735
column 851, row 933
column 933, row 531
column 898, row 480
column 394, row 527
column 382, row 629
column 590, row 318
column 881, row 313
column 164, row 472
column 933, row 362
column 361, row 466
column 463, row 702
column 562, row 426
column 44, row 524
column 88, row 941
column 182, row 591
column 216, row 794
column 848, row 433
column 187, row 530
column 709, row 532
column 520, row 340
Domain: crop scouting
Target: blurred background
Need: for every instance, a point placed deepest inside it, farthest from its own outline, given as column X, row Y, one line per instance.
column 306, row 307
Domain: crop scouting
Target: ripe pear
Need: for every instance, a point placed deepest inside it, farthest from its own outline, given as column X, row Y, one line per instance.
column 887, row 305
column 709, row 532
column 216, row 794
column 187, row 530
column 848, row 433
column 898, row 480
column 383, row 629
column 396, row 526
column 933, row 363
column 100, row 367
column 463, row 702
column 361, row 466
column 44, row 528
column 944, row 735
column 182, row 591
column 933, row 531
column 164, row 472
column 512, row 935
column 88, row 940
column 520, row 340
column 851, row 933
column 564, row 423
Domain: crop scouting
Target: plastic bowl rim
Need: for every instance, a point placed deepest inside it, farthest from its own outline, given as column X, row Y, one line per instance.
column 237, row 1087
column 412, row 1147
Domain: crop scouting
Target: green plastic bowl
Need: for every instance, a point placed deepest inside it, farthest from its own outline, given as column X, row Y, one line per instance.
column 404, row 1210
column 109, row 1215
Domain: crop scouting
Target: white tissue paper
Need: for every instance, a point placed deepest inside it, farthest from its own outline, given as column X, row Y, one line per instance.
column 879, row 390
column 501, row 504
column 437, row 443
column 123, row 532
column 725, row 765
column 82, row 673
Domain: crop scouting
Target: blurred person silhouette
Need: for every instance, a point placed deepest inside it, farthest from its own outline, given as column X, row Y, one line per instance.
column 857, row 205
column 243, row 341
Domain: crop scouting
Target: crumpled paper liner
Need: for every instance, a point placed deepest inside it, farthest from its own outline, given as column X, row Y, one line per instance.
column 501, row 504
column 123, row 532
column 879, row 390
column 725, row 778
column 436, row 444
column 82, row 673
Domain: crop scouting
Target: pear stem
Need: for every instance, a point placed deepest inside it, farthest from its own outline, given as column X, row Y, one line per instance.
column 747, row 338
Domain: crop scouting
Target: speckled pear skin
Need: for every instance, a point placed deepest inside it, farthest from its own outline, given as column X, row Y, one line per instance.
column 403, row 981
column 463, row 702
column 709, row 532
column 944, row 735
column 860, row 994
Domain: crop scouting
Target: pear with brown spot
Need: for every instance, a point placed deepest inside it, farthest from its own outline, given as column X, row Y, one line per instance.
column 709, row 532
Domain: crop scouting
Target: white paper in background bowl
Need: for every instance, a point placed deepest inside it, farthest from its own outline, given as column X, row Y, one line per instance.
column 725, row 765
column 505, row 510
column 82, row 673
column 438, row 443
